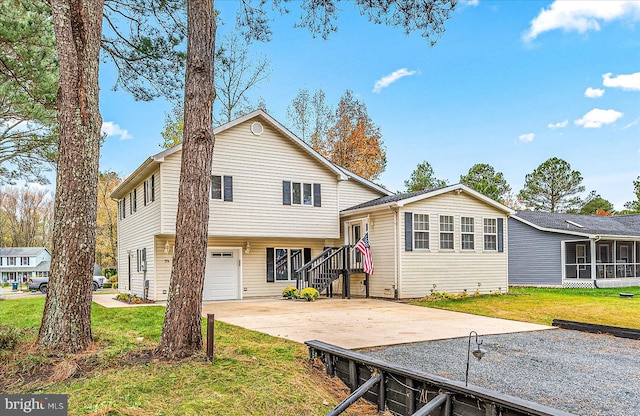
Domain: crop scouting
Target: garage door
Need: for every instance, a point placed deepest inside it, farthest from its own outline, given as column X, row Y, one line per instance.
column 221, row 279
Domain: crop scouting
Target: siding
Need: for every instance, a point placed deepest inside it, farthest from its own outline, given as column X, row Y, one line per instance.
column 452, row 270
column 135, row 232
column 258, row 165
column 381, row 283
column 253, row 269
column 534, row 255
column 351, row 193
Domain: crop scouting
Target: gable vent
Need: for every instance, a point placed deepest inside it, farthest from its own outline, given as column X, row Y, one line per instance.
column 256, row 128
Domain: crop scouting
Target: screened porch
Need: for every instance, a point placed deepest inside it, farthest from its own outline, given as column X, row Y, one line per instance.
column 601, row 259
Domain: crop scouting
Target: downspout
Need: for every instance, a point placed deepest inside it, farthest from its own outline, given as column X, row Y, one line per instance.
column 395, row 252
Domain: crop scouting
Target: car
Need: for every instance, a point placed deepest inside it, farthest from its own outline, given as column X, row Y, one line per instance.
column 41, row 283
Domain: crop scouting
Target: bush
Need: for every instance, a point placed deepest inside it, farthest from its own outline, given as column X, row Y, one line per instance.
column 125, row 297
column 115, row 285
column 114, row 278
column 6, row 284
column 10, row 336
column 309, row 294
column 290, row 292
column 107, row 285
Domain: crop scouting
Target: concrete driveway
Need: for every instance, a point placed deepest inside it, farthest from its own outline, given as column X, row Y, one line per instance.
column 357, row 323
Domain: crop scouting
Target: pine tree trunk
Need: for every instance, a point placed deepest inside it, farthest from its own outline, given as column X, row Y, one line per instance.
column 66, row 323
column 181, row 332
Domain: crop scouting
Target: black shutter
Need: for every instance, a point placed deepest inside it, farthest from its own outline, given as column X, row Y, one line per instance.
column 124, row 207
column 145, row 193
column 270, row 271
column 153, row 188
column 286, row 193
column 408, row 231
column 228, row 188
column 500, row 235
column 307, row 255
column 317, row 195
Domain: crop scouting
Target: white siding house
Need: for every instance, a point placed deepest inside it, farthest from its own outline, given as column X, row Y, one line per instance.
column 274, row 204
column 19, row 264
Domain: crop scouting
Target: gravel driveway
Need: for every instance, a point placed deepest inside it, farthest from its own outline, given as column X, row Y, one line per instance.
column 577, row 372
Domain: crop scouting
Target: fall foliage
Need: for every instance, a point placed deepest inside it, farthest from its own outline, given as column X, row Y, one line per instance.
column 107, row 221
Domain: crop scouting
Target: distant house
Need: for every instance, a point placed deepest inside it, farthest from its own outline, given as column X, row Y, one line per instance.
column 282, row 215
column 574, row 250
column 19, row 264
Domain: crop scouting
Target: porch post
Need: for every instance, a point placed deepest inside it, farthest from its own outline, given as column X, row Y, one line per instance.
column 592, row 242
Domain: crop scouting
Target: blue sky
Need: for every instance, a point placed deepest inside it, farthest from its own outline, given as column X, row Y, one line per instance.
column 510, row 83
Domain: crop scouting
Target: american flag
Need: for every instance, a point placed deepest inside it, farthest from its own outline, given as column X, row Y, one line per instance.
column 364, row 247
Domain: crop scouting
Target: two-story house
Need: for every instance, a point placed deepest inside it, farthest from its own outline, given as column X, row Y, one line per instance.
column 277, row 205
column 19, row 264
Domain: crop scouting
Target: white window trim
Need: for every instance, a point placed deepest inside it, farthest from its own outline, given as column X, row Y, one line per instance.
column 275, row 274
column 484, row 247
column 222, row 194
column 472, row 234
column 302, row 184
column 452, row 232
column 428, row 231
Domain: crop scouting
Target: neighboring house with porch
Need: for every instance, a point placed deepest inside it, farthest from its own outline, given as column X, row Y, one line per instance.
column 283, row 215
column 571, row 250
column 19, row 264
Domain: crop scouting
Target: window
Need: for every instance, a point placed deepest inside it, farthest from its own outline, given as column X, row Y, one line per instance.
column 298, row 193
column 142, row 259
column 282, row 263
column 490, row 234
column 467, row 233
column 222, row 187
column 24, row 261
column 11, row 261
column 421, row 231
column 446, row 232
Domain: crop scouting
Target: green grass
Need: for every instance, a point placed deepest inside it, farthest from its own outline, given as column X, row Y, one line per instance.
column 542, row 305
column 252, row 374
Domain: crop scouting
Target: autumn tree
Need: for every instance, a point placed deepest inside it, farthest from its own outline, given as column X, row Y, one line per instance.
column 107, row 221
column 553, row 187
column 634, row 206
column 28, row 84
column 423, row 178
column 483, row 178
column 181, row 331
column 26, row 217
column 354, row 141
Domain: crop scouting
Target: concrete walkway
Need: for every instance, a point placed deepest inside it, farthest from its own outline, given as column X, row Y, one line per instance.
column 357, row 323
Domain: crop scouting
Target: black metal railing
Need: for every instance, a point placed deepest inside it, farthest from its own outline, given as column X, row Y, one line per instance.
column 327, row 267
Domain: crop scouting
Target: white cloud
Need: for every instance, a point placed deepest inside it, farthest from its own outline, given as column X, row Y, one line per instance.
column 626, row 82
column 593, row 92
column 109, row 128
column 391, row 78
column 526, row 138
column 595, row 118
column 634, row 123
column 581, row 16
column 558, row 125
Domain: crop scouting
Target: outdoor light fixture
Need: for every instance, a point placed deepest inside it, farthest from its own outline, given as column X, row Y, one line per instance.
column 477, row 352
column 166, row 247
column 247, row 248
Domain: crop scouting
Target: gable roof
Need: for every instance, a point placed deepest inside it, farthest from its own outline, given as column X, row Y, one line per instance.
column 400, row 200
column 151, row 164
column 582, row 225
column 21, row 251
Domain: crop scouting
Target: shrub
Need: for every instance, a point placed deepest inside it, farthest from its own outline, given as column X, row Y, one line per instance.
column 309, row 294
column 290, row 292
column 115, row 285
column 10, row 336
column 107, row 285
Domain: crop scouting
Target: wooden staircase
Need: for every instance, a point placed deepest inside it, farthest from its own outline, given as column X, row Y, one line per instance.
column 327, row 267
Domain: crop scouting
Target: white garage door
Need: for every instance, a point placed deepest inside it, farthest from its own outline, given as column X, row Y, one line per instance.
column 221, row 280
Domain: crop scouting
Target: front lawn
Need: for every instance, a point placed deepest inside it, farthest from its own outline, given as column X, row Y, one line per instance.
column 252, row 373
column 541, row 305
